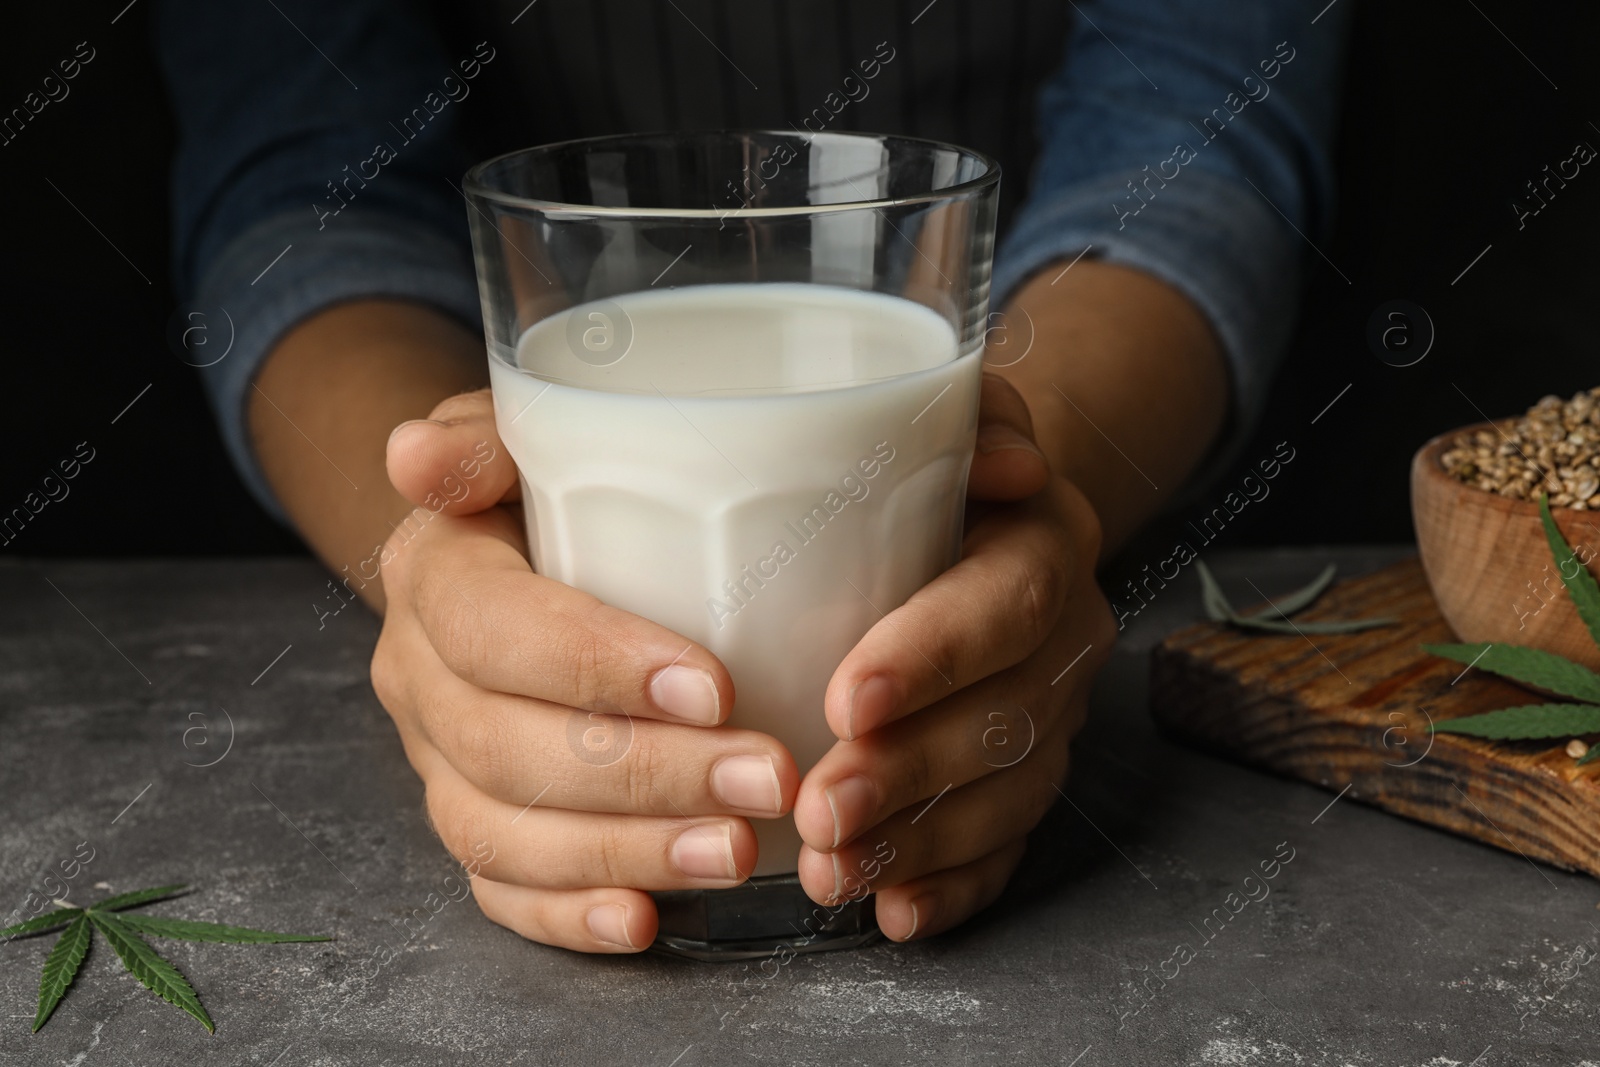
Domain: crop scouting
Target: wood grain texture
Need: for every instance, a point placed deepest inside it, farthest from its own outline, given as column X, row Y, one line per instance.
column 1353, row 710
column 1490, row 566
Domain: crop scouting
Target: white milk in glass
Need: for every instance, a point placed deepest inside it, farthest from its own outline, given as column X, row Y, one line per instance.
column 764, row 468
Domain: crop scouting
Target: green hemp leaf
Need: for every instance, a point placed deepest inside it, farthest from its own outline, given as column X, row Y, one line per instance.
column 1530, row 666
column 1541, row 670
column 1580, row 583
column 1530, row 721
column 124, row 931
column 1275, row 618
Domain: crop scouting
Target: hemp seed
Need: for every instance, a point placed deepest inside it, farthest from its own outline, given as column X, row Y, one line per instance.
column 1577, row 749
column 1554, row 448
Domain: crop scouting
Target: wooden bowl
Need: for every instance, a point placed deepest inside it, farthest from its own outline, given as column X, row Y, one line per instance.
column 1489, row 564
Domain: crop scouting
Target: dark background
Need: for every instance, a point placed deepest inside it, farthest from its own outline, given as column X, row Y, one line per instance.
column 1445, row 119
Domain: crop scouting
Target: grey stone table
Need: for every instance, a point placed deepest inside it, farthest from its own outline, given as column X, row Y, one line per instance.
column 196, row 721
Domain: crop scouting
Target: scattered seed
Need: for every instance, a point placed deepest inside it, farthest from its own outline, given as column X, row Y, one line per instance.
column 1577, row 749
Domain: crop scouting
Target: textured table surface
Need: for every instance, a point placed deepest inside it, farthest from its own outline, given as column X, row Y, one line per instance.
column 1379, row 943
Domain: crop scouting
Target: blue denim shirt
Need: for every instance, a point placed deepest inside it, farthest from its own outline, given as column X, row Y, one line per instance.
column 1187, row 139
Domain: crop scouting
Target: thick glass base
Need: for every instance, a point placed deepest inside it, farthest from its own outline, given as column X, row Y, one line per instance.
column 763, row 917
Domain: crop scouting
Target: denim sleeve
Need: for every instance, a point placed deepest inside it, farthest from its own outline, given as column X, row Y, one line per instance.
column 1192, row 139
column 316, row 149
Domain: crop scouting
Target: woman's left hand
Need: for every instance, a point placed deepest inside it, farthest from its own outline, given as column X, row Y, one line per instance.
column 955, row 711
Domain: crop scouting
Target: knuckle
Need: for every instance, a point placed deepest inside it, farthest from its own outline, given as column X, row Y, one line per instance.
column 580, row 652
column 482, row 746
column 599, row 739
column 394, row 563
column 465, row 828
column 1105, row 631
column 1088, row 534
column 603, row 858
column 913, row 767
column 946, row 647
column 427, row 593
column 649, row 768
column 919, row 768
column 1036, row 583
column 454, row 625
column 392, row 576
column 386, row 672
column 458, row 825
column 1046, row 589
column 596, row 643
column 434, row 716
column 1093, row 537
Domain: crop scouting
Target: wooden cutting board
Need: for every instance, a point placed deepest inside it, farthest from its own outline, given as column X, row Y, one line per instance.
column 1350, row 712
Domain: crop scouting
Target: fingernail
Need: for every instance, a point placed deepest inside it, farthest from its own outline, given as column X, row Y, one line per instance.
column 997, row 437
column 609, row 924
column 749, row 783
column 924, row 910
column 872, row 701
column 852, row 801
column 686, row 693
column 414, row 422
column 705, row 851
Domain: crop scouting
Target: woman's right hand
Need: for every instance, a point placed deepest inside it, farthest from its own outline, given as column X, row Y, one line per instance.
column 572, row 753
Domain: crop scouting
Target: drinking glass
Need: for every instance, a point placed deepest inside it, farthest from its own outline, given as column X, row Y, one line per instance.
column 738, row 373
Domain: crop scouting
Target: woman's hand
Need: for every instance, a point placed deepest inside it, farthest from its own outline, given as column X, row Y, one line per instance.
column 564, row 745
column 955, row 712
column 487, row 667
column 567, row 747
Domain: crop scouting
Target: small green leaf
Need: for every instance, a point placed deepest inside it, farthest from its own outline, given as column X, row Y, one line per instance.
column 1298, row 600
column 1580, row 584
column 1589, row 756
column 138, row 896
column 1346, row 626
column 184, row 930
column 1531, row 666
column 61, row 968
column 1527, row 722
column 145, row 964
column 1274, row 619
column 40, row 923
column 1211, row 595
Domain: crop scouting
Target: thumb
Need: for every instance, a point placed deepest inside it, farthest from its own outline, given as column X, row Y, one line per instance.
column 1007, row 463
column 453, row 461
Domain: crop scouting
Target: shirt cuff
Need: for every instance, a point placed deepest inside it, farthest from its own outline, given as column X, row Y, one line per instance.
column 283, row 270
column 1223, row 247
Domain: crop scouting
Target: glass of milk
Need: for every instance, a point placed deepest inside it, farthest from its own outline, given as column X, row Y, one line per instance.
column 738, row 373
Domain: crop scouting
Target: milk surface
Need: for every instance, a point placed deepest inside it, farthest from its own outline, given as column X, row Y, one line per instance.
column 764, row 468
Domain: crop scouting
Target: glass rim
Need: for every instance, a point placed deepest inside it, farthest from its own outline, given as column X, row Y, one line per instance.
column 474, row 186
